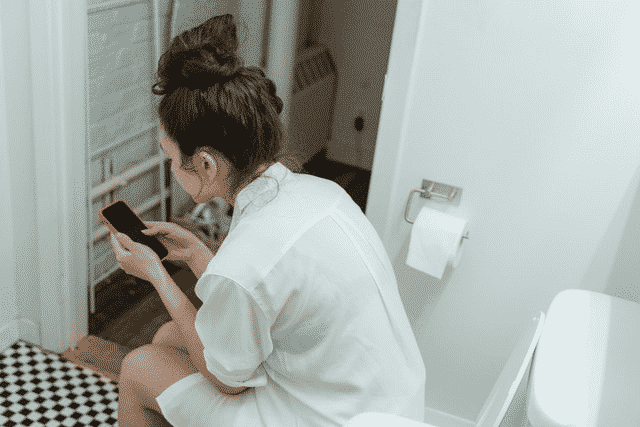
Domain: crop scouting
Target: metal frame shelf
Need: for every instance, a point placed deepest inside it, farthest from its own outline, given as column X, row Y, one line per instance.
column 115, row 19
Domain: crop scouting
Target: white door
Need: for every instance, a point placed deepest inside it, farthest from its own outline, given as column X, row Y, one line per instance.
column 385, row 202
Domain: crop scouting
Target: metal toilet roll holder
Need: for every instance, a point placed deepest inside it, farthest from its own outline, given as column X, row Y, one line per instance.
column 431, row 189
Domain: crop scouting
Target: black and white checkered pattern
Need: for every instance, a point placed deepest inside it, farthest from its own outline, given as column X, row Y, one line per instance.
column 44, row 389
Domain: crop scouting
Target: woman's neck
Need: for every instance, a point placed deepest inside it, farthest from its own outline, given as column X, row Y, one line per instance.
column 257, row 174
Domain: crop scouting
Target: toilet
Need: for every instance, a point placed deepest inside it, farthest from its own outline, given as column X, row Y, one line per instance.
column 577, row 366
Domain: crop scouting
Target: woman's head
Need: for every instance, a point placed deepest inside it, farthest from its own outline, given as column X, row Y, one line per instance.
column 214, row 109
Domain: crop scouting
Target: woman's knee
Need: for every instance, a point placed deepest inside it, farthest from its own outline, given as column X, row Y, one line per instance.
column 163, row 332
column 169, row 334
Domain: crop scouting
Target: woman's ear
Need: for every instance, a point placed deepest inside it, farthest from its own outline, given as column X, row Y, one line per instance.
column 206, row 164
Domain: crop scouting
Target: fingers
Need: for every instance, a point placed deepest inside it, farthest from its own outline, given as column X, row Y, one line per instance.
column 181, row 255
column 151, row 225
column 154, row 227
column 152, row 232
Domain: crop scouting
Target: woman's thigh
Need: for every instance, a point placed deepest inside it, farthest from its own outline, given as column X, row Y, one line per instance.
column 150, row 370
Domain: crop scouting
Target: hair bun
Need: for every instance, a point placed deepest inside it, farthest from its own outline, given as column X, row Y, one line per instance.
column 205, row 66
column 200, row 57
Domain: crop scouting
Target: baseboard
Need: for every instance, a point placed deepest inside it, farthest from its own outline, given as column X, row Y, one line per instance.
column 19, row 329
column 433, row 417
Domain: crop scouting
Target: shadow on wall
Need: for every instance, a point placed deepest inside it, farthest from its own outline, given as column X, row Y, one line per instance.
column 419, row 291
column 624, row 274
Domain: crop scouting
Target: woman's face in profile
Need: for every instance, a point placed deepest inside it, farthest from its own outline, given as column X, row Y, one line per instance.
column 189, row 180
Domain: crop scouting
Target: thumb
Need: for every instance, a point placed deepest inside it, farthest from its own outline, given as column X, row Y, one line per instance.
column 155, row 230
column 127, row 240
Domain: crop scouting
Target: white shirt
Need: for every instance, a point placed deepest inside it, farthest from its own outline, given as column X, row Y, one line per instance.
column 301, row 302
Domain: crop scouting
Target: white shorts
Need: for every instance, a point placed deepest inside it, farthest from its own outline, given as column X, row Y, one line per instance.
column 193, row 401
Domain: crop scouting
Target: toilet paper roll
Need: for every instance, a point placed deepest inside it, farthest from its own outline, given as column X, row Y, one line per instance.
column 436, row 240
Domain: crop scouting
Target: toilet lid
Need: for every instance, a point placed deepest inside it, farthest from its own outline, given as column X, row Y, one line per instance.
column 586, row 369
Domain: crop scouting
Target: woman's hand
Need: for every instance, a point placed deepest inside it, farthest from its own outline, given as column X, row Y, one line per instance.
column 179, row 242
column 183, row 245
column 137, row 259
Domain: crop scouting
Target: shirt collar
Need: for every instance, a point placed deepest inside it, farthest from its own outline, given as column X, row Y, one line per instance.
column 260, row 191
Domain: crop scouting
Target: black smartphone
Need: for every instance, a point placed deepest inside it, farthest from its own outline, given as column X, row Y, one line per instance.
column 120, row 218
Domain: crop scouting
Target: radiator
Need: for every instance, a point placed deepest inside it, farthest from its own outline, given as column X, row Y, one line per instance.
column 314, row 91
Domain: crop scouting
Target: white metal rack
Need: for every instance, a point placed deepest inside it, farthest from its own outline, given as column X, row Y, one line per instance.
column 125, row 159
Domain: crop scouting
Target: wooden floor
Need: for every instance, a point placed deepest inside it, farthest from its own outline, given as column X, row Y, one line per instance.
column 129, row 311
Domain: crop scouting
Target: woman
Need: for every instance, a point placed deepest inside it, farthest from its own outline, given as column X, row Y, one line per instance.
column 301, row 322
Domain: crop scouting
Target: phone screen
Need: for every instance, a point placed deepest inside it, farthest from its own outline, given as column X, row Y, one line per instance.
column 126, row 221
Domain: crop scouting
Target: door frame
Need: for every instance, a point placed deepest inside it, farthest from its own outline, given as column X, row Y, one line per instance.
column 385, row 201
column 58, row 42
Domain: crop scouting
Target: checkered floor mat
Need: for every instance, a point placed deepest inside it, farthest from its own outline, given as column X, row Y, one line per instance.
column 44, row 389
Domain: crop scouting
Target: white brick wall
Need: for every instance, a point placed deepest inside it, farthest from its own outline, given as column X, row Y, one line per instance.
column 120, row 52
column 121, row 62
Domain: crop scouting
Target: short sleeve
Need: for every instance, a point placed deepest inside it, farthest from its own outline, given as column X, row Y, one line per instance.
column 234, row 331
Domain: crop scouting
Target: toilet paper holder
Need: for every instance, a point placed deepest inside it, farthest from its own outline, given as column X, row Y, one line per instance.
column 436, row 190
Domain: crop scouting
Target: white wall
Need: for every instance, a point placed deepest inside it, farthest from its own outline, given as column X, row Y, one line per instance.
column 18, row 238
column 533, row 108
column 44, row 218
column 8, row 303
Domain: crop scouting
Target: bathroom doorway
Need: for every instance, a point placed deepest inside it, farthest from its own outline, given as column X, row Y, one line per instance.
column 348, row 154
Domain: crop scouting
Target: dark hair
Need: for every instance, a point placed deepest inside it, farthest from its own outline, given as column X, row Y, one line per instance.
column 213, row 101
